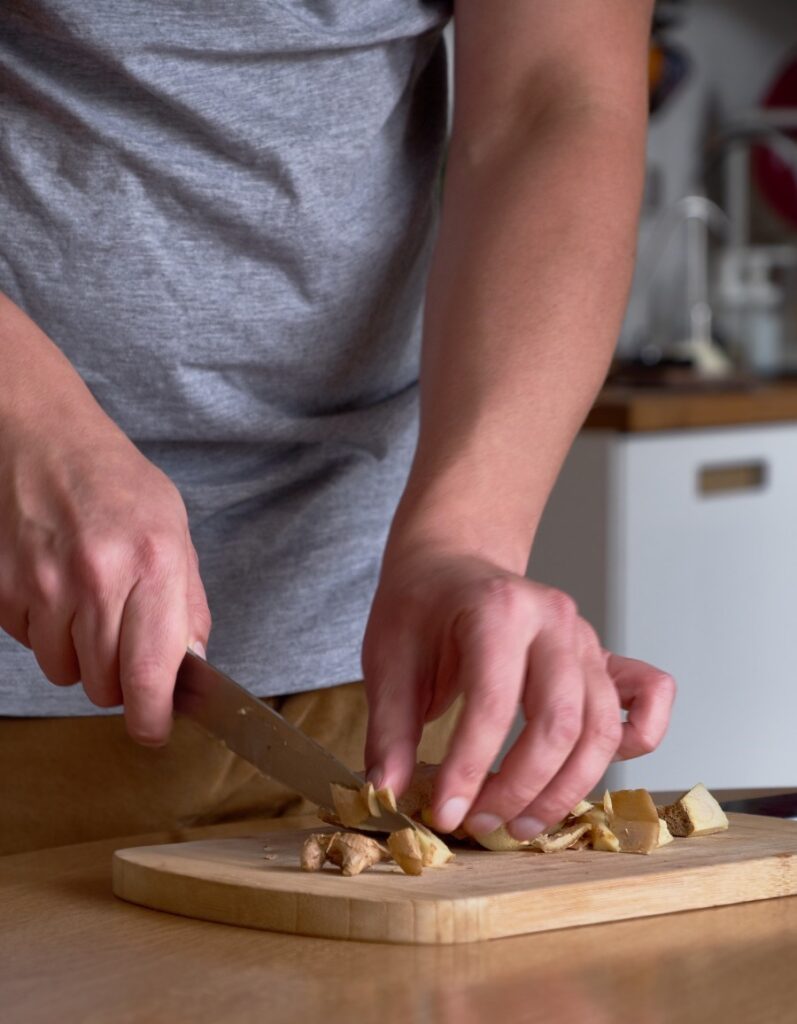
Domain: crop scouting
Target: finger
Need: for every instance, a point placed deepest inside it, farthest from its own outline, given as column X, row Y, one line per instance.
column 199, row 619
column 95, row 631
column 50, row 638
column 554, row 708
column 592, row 754
column 151, row 646
column 397, row 701
column 647, row 694
column 493, row 651
column 13, row 618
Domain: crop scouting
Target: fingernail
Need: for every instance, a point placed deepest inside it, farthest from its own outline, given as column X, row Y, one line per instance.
column 451, row 813
column 198, row 648
column 374, row 776
column 483, row 824
column 525, row 828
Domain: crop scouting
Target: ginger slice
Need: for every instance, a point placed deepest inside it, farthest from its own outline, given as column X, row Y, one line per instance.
column 434, row 852
column 665, row 836
column 500, row 841
column 370, row 799
column 604, row 839
column 558, row 841
column 697, row 813
column 633, row 818
column 405, row 849
column 350, row 807
column 387, row 798
column 594, row 816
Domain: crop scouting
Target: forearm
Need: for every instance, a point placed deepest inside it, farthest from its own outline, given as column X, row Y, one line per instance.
column 525, row 298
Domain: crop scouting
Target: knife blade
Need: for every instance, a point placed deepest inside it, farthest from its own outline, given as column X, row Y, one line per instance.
column 265, row 739
column 774, row 805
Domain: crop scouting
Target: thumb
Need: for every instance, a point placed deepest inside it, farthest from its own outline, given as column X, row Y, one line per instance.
column 199, row 619
column 396, row 711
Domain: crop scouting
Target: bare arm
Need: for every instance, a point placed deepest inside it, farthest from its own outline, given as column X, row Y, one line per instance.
column 525, row 298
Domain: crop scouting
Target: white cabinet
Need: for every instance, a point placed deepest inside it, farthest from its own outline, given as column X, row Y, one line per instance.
column 681, row 548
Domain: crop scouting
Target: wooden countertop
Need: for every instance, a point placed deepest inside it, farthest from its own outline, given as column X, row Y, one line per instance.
column 70, row 951
column 642, row 410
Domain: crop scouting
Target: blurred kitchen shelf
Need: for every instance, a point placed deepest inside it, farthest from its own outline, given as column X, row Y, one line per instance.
column 640, row 409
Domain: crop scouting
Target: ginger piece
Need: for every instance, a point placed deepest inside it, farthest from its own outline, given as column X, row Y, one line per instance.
column 369, row 798
column 354, row 853
column 557, row 841
column 697, row 813
column 604, row 839
column 665, row 836
column 387, row 798
column 581, row 808
column 405, row 849
column 500, row 841
column 314, row 852
column 434, row 852
column 594, row 816
column 633, row 818
column 351, row 806
column 601, row 836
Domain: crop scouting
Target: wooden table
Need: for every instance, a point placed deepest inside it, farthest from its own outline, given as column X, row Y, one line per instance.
column 71, row 952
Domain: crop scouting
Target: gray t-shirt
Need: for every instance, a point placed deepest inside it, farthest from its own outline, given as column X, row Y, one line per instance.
column 222, row 213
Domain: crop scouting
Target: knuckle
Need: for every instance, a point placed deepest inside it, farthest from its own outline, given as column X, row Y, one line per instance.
column 589, row 638
column 562, row 607
column 607, row 731
column 515, row 794
column 506, row 598
column 494, row 705
column 146, row 678
column 562, row 724
column 95, row 561
column 45, row 586
column 646, row 742
column 156, row 552
column 470, row 773
column 200, row 610
column 664, row 684
column 493, row 601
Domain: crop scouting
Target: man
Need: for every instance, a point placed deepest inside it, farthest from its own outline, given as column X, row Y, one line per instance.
column 217, row 222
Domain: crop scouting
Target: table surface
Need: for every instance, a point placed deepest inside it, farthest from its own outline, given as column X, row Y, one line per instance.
column 643, row 410
column 70, row 951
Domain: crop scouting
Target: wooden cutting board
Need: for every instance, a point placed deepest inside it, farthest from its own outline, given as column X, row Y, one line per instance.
column 479, row 895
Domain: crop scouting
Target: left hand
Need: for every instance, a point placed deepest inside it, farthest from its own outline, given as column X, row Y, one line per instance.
column 444, row 624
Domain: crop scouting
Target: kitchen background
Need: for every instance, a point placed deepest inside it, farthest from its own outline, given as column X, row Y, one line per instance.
column 674, row 522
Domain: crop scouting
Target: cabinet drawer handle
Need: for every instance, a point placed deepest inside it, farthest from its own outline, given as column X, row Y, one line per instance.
column 732, row 477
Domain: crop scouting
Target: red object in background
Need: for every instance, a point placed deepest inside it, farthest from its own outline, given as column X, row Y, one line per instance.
column 776, row 179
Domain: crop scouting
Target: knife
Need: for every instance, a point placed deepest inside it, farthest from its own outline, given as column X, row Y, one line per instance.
column 265, row 739
column 775, row 805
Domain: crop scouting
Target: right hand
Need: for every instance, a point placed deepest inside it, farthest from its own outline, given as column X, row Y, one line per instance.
column 98, row 574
